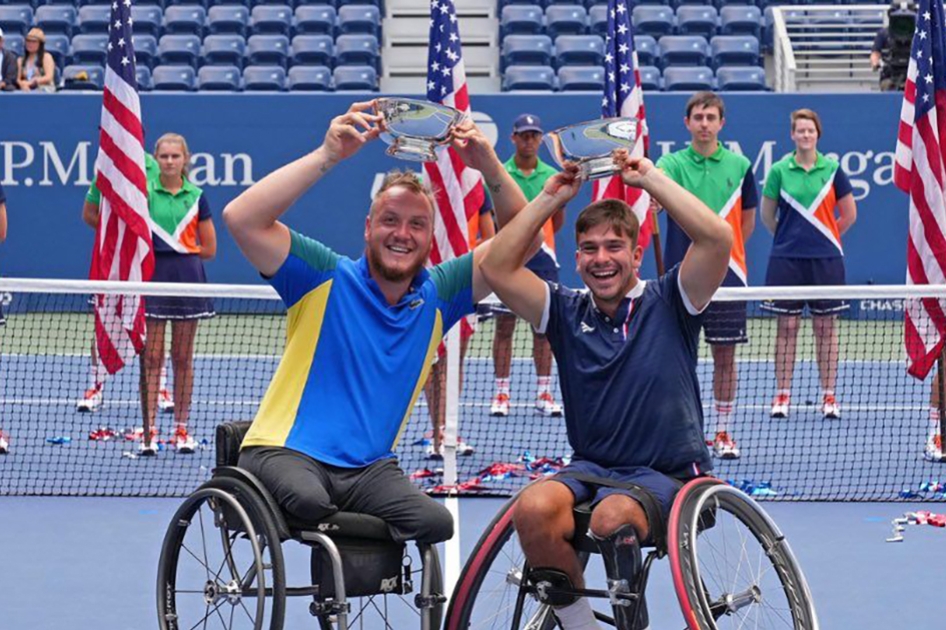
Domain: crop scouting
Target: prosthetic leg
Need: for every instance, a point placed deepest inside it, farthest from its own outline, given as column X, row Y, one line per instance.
column 621, row 553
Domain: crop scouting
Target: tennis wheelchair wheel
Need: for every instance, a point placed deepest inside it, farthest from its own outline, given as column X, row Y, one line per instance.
column 488, row 590
column 731, row 566
column 221, row 563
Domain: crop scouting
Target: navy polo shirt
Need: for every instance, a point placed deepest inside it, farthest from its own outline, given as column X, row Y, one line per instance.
column 629, row 384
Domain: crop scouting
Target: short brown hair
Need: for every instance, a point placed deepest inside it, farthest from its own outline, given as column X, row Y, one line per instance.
column 406, row 179
column 806, row 114
column 706, row 99
column 613, row 212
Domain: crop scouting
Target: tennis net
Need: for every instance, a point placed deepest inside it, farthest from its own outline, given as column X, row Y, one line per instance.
column 874, row 451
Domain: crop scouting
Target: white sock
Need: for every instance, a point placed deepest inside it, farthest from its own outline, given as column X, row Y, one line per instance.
column 577, row 616
column 164, row 376
column 724, row 411
column 543, row 385
column 934, row 421
column 502, row 386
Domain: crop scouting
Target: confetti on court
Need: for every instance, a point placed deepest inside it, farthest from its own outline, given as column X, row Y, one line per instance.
column 922, row 517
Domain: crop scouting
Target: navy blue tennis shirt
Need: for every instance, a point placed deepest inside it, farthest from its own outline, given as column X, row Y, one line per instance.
column 629, row 383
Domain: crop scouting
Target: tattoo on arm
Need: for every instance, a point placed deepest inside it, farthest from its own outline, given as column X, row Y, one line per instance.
column 494, row 188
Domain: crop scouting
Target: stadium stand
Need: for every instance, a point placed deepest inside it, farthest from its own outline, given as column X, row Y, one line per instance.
column 146, row 50
column 528, row 78
column 58, row 18
column 227, row 49
column 143, row 76
column 516, row 19
column 271, row 19
column 355, row 78
column 683, row 50
column 176, row 50
column 734, row 50
column 688, row 79
column 535, row 50
column 93, row 18
column 315, row 50
column 358, row 50
column 362, row 18
column 83, row 77
column 575, row 78
column 90, row 49
column 147, row 19
column 310, row 79
column 264, row 78
column 579, row 50
column 647, row 50
column 740, row 78
column 16, row 18
column 219, row 78
column 60, row 47
column 697, row 20
column 652, row 20
column 650, row 78
column 315, row 19
column 229, row 19
column 185, row 20
column 174, row 78
column 563, row 19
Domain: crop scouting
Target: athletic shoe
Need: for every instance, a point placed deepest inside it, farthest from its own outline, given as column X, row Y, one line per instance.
column 780, row 406
column 183, row 442
column 136, row 434
column 934, row 449
column 4, row 443
column 546, row 405
column 147, row 450
column 724, row 447
column 165, row 401
column 500, row 405
column 102, row 434
column 830, row 407
column 463, row 450
column 434, row 451
column 90, row 401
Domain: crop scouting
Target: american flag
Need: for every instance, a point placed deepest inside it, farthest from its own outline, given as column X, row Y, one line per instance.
column 920, row 171
column 123, row 249
column 623, row 96
column 457, row 189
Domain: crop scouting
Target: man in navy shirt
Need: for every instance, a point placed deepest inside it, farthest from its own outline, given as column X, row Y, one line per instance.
column 627, row 354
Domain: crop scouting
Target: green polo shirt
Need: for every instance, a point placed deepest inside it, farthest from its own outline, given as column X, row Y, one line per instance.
column 152, row 172
column 544, row 262
column 531, row 184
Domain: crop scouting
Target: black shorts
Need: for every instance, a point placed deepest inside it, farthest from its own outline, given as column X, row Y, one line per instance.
column 811, row 272
column 724, row 323
column 174, row 267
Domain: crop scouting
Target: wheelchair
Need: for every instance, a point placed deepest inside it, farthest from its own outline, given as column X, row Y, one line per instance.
column 222, row 562
column 731, row 568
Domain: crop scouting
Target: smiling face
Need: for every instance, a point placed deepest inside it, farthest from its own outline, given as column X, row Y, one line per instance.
column 607, row 263
column 399, row 233
column 805, row 134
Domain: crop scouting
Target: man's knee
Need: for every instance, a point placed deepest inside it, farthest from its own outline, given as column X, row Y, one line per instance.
column 435, row 524
column 542, row 508
column 615, row 512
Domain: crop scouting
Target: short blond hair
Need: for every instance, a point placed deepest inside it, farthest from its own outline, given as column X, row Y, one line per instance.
column 175, row 138
column 405, row 179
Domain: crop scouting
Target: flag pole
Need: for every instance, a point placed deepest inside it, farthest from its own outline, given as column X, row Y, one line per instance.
column 655, row 243
column 941, row 392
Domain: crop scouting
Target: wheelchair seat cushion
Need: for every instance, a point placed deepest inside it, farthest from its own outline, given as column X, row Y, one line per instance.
column 344, row 525
column 228, row 440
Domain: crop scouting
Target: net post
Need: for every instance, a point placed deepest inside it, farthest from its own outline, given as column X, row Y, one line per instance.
column 450, row 476
column 941, row 394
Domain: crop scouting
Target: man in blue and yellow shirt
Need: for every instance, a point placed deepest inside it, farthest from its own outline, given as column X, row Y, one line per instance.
column 361, row 333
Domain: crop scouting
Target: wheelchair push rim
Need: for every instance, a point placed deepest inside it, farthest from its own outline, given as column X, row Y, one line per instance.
column 731, row 565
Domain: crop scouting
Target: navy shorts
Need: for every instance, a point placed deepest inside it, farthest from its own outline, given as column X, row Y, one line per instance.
column 174, row 267
column 809, row 272
column 724, row 323
column 498, row 309
column 659, row 486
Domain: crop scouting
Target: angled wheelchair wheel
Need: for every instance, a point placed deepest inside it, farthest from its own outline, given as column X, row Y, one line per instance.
column 221, row 563
column 487, row 592
column 731, row 566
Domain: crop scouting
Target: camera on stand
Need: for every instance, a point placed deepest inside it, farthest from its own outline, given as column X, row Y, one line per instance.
column 901, row 24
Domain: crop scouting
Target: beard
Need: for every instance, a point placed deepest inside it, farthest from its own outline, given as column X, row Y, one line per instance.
column 392, row 274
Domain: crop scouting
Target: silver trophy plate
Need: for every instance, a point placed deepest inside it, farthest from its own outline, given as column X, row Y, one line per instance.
column 589, row 144
column 415, row 129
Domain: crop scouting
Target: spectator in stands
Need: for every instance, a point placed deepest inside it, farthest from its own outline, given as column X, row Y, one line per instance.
column 480, row 228
column 530, row 173
column 4, row 440
column 808, row 204
column 881, row 42
column 92, row 398
column 184, row 236
column 8, row 68
column 723, row 181
column 36, row 70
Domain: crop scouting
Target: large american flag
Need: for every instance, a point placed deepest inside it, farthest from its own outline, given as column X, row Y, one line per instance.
column 921, row 172
column 123, row 249
column 457, row 189
column 624, row 97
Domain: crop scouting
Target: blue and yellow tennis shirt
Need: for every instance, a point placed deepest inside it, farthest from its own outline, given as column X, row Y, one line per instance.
column 353, row 364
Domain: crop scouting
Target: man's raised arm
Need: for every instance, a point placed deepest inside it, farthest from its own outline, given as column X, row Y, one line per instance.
column 504, row 263
column 705, row 264
column 253, row 216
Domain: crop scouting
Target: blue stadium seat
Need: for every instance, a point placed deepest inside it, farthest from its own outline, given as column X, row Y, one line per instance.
column 647, row 50
column 201, row 3
column 561, row 19
column 143, row 76
column 219, row 79
column 16, row 18
column 535, row 50
column 581, row 78
column 761, row 3
column 176, row 50
column 549, row 3
column 697, row 20
column 264, row 78
column 14, row 43
column 741, row 78
column 267, row 50
column 740, row 20
column 520, row 19
column 357, row 50
column 313, row 50
column 174, row 78
column 146, row 50
column 688, row 79
column 598, row 19
column 226, row 49
column 59, row 46
column 310, row 78
column 683, row 50
column 316, row 19
column 90, row 49
column 652, row 20
column 734, row 50
column 356, row 78
column 83, row 77
column 185, row 19
column 528, row 78
column 579, row 50
column 94, row 18
column 360, row 18
column 650, row 78
column 341, row 3
column 57, row 18
column 147, row 19
column 271, row 19
column 230, row 18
